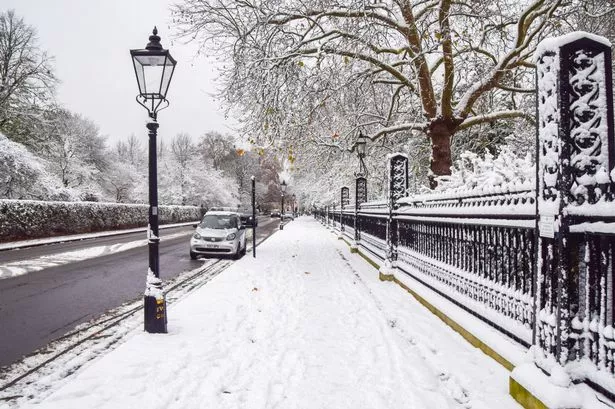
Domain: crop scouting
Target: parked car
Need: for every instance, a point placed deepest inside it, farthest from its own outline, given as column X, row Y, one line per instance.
column 275, row 213
column 219, row 233
column 247, row 220
column 288, row 216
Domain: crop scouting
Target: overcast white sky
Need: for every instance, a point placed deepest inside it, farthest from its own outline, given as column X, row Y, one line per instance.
column 91, row 39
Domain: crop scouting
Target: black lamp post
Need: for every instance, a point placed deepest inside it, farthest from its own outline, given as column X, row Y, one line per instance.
column 294, row 209
column 361, row 144
column 154, row 69
column 283, row 188
column 360, row 188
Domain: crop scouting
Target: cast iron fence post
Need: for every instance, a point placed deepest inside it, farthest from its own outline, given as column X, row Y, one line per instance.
column 574, row 156
column 360, row 197
column 398, row 185
column 344, row 200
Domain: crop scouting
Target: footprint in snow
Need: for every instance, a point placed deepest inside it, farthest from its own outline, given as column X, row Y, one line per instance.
column 455, row 390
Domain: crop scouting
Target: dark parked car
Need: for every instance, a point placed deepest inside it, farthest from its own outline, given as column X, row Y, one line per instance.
column 247, row 220
column 275, row 213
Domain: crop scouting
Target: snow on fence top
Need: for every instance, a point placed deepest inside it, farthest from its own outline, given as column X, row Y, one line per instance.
column 553, row 44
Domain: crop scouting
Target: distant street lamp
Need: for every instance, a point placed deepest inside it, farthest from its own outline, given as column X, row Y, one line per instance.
column 283, row 188
column 154, row 69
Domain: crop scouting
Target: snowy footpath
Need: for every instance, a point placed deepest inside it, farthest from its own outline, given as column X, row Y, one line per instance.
column 304, row 325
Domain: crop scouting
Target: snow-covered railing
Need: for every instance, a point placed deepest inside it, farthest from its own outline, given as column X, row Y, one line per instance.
column 477, row 251
column 534, row 258
column 475, row 247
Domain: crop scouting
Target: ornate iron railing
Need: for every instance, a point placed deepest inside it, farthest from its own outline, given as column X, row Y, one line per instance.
column 533, row 259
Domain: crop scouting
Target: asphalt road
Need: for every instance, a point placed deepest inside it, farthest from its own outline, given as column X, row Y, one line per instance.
column 40, row 306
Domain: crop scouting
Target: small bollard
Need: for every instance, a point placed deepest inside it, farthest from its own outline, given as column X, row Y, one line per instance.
column 155, row 315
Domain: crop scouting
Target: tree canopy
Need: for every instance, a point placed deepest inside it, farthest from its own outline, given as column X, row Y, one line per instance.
column 318, row 72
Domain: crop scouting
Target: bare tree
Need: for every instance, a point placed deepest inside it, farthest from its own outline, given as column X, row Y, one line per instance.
column 215, row 146
column 322, row 70
column 76, row 152
column 26, row 75
column 182, row 149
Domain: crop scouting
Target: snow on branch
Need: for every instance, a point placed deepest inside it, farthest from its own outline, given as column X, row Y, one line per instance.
column 494, row 116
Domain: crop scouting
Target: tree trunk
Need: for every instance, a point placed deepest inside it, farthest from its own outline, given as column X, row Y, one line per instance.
column 440, row 133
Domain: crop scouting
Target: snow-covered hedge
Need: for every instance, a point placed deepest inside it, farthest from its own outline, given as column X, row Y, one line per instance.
column 25, row 219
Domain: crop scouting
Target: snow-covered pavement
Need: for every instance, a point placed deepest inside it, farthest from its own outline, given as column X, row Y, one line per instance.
column 304, row 325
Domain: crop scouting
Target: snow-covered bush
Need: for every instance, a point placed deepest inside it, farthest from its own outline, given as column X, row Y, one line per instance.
column 23, row 219
column 473, row 173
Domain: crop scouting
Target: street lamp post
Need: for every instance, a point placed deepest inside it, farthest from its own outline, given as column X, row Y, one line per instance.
column 253, row 216
column 360, row 189
column 283, row 187
column 154, row 69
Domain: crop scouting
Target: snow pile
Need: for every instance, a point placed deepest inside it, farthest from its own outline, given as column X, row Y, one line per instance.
column 24, row 219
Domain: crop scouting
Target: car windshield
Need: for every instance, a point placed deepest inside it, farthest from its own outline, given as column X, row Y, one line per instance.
column 216, row 221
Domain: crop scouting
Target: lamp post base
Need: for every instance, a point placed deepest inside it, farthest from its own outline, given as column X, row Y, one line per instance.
column 155, row 314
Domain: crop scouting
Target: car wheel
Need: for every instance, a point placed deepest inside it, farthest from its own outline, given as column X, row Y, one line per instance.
column 193, row 255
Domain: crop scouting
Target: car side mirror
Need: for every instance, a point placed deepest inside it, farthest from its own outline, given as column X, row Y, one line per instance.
column 195, row 226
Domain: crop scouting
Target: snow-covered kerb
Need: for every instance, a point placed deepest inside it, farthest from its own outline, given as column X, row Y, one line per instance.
column 26, row 219
column 574, row 326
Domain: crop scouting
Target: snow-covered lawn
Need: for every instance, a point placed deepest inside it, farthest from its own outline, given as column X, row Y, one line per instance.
column 304, row 325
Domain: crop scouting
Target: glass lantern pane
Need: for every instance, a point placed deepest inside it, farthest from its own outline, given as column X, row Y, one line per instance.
column 166, row 77
column 151, row 68
column 151, row 60
column 140, row 76
column 152, row 75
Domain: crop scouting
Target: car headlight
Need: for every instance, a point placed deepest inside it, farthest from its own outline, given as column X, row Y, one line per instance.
column 196, row 236
column 231, row 236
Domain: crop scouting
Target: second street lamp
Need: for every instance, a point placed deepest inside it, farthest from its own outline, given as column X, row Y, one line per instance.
column 154, row 69
column 360, row 189
column 361, row 144
column 283, row 188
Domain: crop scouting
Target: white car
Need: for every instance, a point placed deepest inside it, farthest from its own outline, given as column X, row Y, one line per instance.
column 219, row 233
